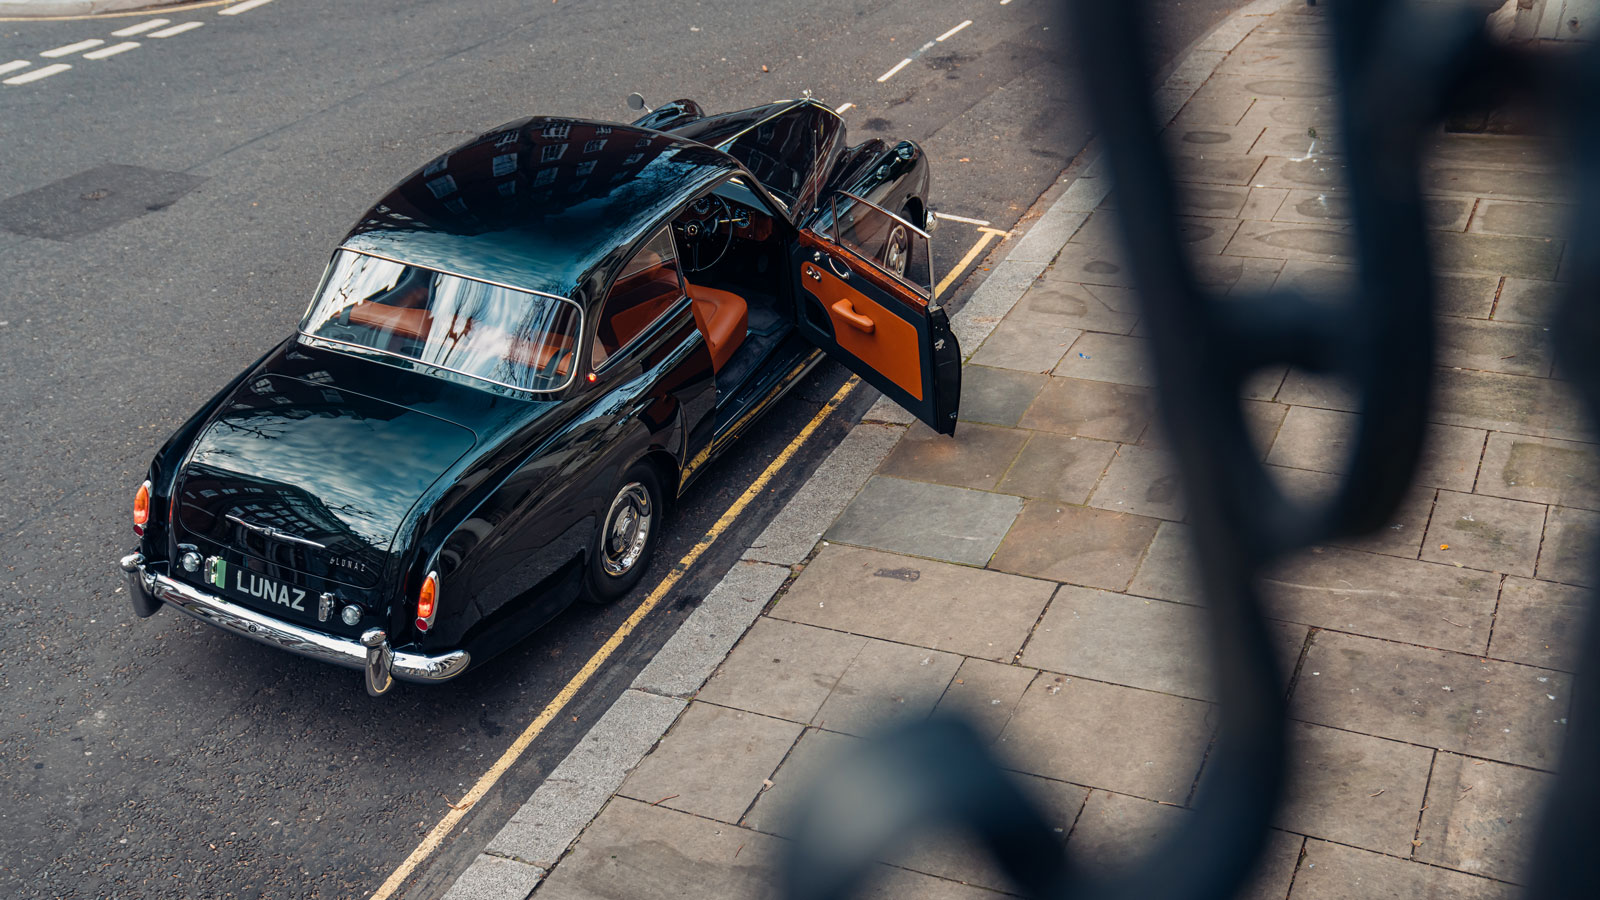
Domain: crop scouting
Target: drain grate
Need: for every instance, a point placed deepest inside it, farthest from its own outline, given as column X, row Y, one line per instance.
column 92, row 201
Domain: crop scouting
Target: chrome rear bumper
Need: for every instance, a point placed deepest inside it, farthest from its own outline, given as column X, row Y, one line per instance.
column 148, row 589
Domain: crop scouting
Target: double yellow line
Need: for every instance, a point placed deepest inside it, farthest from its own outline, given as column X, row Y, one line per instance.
column 524, row 740
column 989, row 234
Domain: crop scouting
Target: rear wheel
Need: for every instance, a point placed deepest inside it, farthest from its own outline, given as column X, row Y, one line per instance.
column 628, row 534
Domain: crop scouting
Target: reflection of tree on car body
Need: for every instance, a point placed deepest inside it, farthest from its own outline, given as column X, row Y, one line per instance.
column 520, row 357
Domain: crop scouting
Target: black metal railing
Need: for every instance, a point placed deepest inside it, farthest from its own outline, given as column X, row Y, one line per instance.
column 1400, row 69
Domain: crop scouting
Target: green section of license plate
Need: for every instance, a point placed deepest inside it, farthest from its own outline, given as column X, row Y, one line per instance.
column 219, row 571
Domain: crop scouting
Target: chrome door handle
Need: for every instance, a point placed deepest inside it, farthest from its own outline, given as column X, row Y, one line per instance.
column 839, row 268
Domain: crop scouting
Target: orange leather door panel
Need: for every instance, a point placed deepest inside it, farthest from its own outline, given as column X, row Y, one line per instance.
column 889, row 346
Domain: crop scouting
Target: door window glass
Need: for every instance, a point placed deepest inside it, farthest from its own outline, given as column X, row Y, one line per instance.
column 784, row 152
column 888, row 242
column 645, row 289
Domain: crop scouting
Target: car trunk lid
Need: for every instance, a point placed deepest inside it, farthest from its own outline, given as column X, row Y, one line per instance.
column 308, row 483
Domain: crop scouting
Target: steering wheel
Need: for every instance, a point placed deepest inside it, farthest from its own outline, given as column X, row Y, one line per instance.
column 707, row 224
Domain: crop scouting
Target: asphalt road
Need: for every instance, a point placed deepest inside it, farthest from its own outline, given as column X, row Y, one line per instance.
column 159, row 758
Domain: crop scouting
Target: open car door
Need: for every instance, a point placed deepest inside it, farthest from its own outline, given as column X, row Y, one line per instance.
column 866, row 298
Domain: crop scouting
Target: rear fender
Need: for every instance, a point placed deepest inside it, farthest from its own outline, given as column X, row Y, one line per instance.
column 168, row 461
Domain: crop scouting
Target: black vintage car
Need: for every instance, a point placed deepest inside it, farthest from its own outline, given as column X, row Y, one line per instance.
column 517, row 360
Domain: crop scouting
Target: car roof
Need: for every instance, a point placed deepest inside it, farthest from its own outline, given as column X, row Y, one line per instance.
column 545, row 204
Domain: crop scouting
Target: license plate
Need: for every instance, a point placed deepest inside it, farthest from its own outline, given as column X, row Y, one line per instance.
column 247, row 583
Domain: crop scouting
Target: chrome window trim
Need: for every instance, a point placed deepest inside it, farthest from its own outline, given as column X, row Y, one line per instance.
column 928, row 292
column 627, row 349
column 793, row 105
column 683, row 295
column 317, row 338
column 887, row 213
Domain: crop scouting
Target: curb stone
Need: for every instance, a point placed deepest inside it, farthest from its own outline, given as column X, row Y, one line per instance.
column 517, row 858
column 577, row 791
column 793, row 533
column 680, row 667
column 494, row 877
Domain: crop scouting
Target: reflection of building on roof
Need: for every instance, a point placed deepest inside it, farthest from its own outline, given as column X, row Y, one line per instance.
column 538, row 203
column 474, row 181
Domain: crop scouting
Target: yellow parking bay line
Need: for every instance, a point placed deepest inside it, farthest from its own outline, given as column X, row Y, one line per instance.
column 548, row 714
column 987, row 235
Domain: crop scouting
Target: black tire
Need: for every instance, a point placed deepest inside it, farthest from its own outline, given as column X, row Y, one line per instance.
column 619, row 554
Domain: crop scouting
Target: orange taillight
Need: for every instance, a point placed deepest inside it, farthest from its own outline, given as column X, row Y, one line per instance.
column 427, row 601
column 141, row 508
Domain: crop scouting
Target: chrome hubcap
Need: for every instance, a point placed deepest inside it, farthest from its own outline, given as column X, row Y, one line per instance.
column 894, row 255
column 627, row 529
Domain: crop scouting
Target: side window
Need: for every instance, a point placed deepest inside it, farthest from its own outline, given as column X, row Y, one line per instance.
column 646, row 288
column 784, row 153
column 888, row 242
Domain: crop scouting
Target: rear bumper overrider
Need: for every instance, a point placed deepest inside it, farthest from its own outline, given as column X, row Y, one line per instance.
column 148, row 589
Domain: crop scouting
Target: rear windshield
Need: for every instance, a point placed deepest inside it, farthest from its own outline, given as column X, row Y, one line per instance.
column 510, row 337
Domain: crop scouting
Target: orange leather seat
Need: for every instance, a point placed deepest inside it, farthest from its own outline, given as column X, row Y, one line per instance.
column 400, row 321
column 723, row 318
column 536, row 356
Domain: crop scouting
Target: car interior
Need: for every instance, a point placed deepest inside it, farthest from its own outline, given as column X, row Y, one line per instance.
column 732, row 261
column 731, row 258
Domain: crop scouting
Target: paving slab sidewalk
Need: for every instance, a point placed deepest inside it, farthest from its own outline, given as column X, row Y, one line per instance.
column 1033, row 570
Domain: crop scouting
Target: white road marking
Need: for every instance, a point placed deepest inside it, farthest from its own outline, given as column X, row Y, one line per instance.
column 1004, row 2
column 897, row 67
column 70, row 49
column 176, row 29
column 246, row 6
column 841, row 109
column 924, row 48
column 37, row 74
column 940, row 215
column 140, row 28
column 112, row 50
column 14, row 65
column 952, row 32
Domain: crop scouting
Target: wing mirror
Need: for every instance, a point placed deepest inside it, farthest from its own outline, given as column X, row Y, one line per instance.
column 636, row 102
